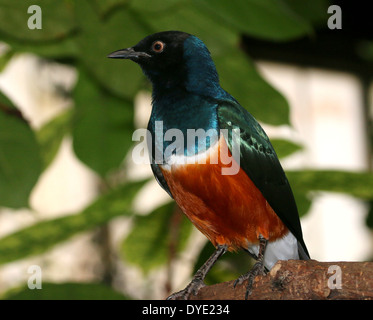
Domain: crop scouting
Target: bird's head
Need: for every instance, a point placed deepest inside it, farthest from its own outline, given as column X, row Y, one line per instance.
column 173, row 59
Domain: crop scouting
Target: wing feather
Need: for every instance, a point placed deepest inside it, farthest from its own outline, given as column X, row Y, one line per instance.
column 260, row 162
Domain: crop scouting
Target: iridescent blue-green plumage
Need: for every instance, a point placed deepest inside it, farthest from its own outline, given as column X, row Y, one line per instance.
column 187, row 95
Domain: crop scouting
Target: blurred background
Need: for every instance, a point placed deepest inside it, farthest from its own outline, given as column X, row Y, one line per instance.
column 98, row 226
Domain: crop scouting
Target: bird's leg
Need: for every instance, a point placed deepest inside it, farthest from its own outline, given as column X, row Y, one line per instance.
column 257, row 269
column 197, row 281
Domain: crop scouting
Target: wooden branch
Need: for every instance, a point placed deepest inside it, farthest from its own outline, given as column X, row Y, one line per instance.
column 301, row 280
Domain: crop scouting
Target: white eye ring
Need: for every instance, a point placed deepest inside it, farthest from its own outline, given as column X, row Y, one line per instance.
column 158, row 46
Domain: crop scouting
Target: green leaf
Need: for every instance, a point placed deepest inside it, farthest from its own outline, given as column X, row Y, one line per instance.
column 5, row 58
column 107, row 6
column 99, row 37
column 148, row 244
column 152, row 6
column 315, row 11
column 102, row 128
column 51, row 134
column 58, row 20
column 285, row 148
column 357, row 184
column 265, row 19
column 42, row 236
column 7, row 106
column 20, row 162
column 189, row 18
column 239, row 77
column 303, row 200
column 56, row 49
column 65, row 291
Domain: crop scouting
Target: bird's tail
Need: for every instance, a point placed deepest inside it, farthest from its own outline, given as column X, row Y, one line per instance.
column 303, row 254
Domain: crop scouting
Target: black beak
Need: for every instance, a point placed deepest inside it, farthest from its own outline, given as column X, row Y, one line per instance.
column 128, row 53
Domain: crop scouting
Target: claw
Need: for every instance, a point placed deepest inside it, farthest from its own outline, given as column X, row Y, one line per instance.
column 258, row 269
column 192, row 288
column 197, row 282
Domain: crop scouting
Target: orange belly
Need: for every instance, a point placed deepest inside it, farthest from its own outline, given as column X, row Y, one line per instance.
column 227, row 209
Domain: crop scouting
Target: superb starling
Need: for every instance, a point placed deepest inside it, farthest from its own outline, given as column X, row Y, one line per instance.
column 229, row 183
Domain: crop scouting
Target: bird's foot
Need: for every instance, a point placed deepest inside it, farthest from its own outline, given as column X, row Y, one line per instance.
column 257, row 269
column 197, row 283
column 191, row 288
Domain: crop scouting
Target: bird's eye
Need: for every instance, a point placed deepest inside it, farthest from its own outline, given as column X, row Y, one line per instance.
column 158, row 46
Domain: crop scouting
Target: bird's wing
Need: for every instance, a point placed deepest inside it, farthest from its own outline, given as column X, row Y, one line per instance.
column 259, row 161
column 153, row 164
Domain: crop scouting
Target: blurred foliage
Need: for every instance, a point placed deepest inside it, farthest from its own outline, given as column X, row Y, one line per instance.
column 81, row 34
column 51, row 135
column 148, row 244
column 39, row 237
column 65, row 291
column 18, row 173
column 103, row 126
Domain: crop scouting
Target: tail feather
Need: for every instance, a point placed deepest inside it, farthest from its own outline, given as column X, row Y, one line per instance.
column 303, row 255
column 285, row 248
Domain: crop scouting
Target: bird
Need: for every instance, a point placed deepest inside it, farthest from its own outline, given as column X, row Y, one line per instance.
column 227, row 179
